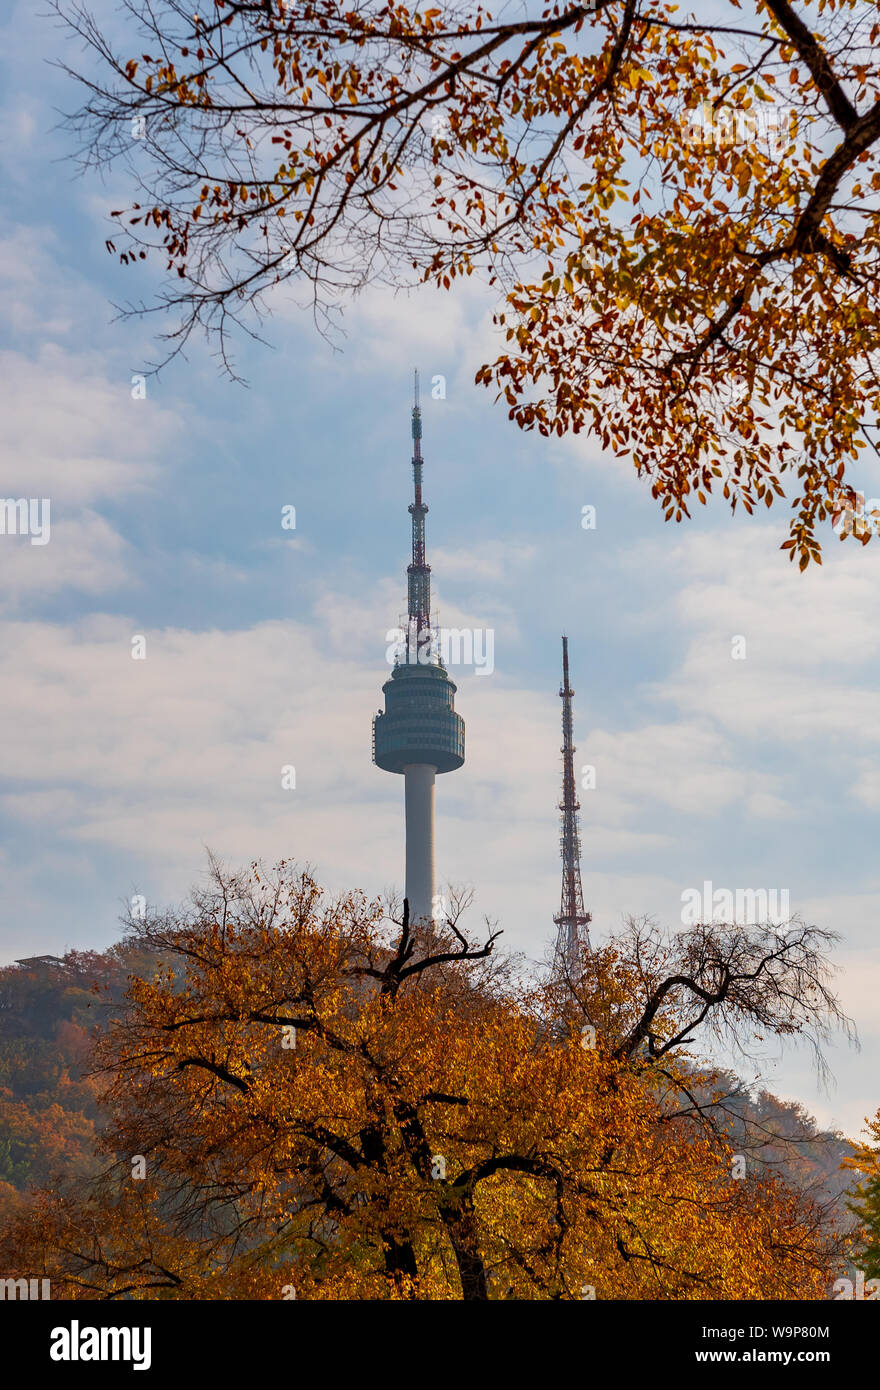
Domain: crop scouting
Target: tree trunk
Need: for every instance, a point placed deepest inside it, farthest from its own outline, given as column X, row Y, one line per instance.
column 459, row 1223
column 400, row 1261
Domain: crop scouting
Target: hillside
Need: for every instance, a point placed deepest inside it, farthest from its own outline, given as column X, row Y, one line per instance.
column 49, row 1007
column 49, row 1112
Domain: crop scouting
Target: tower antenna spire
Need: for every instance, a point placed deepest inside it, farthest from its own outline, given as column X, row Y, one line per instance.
column 572, row 915
column 419, row 571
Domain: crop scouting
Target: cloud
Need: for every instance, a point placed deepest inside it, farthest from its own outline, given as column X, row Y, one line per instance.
column 688, row 767
column 446, row 334
column 495, row 562
column 811, row 646
column 84, row 554
column 75, row 436
column 36, row 299
column 154, row 759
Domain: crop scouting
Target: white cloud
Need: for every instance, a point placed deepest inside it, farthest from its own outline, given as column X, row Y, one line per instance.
column 157, row 758
column 812, row 645
column 84, row 553
column 686, row 766
column 444, row 333
column 35, row 298
column 73, row 435
column 496, row 562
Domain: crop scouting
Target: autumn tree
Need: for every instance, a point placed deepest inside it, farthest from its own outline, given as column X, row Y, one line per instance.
column 866, row 1207
column 47, row 1109
column 310, row 1097
column 677, row 211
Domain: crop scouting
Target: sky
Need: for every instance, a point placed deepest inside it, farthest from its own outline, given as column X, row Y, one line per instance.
column 265, row 647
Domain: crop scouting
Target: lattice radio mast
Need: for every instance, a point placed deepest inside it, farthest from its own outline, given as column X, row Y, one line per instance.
column 572, row 914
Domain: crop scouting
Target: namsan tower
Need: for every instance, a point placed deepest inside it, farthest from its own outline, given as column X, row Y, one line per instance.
column 419, row 734
column 571, row 916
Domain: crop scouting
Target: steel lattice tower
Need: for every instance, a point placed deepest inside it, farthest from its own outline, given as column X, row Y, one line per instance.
column 572, row 915
column 419, row 734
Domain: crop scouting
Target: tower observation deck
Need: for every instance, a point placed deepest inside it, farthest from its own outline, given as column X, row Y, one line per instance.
column 419, row 733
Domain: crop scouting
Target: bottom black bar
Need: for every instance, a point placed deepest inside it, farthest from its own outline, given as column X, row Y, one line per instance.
column 189, row 1341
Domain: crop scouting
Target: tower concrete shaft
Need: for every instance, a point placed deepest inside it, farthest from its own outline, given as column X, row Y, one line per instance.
column 572, row 915
column 419, row 733
column 420, row 881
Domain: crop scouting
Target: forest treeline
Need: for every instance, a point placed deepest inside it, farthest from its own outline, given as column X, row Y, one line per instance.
column 274, row 1093
column 49, row 1111
column 49, row 1104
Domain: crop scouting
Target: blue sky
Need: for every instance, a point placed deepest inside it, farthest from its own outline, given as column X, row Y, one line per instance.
column 267, row 647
